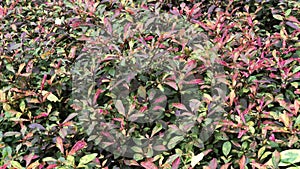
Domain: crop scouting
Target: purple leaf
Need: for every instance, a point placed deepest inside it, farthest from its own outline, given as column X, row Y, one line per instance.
column 36, row 125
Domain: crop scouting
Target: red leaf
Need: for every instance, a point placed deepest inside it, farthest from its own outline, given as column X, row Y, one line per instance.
column 179, row 106
column 242, row 162
column 192, row 64
column 143, row 109
column 43, row 81
column 176, row 163
column 41, row 115
column 59, row 144
column 78, row 146
column 98, row 92
column 148, row 165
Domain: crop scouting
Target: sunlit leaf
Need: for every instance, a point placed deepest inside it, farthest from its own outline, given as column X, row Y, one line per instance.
column 196, row 159
column 87, row 158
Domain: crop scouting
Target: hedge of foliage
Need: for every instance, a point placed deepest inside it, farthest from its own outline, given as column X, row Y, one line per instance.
column 44, row 126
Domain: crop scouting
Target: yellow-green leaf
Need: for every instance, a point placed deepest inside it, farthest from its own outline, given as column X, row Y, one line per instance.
column 22, row 106
column 226, row 148
column 278, row 17
column 87, row 158
column 16, row 164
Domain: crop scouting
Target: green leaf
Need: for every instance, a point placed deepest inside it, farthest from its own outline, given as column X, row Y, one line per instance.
column 290, row 156
column 297, row 122
column 287, row 157
column 10, row 68
column 278, row 17
column 137, row 149
column 297, row 69
column 86, row 159
column 22, row 106
column 293, row 168
column 156, row 129
column 226, row 148
column 261, row 151
column 51, row 97
column 70, row 160
column 16, row 164
column 287, row 12
column 142, row 92
column 138, row 157
column 174, row 141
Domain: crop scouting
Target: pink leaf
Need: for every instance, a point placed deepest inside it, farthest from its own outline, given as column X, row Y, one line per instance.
column 159, row 148
column 4, row 166
column 293, row 19
column 160, row 99
column 272, row 137
column 29, row 158
column 195, row 81
column 213, row 164
column 179, row 106
column 241, row 133
column 225, row 166
column 176, row 163
column 59, row 144
column 148, row 165
column 242, row 162
column 43, row 81
column 78, row 146
column 172, row 84
column 155, row 108
column 175, row 11
column 98, row 92
column 148, row 38
column 70, row 117
column 108, row 25
column 50, row 166
column 296, row 107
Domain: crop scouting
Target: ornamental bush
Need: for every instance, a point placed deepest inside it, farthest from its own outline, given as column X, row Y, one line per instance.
column 149, row 84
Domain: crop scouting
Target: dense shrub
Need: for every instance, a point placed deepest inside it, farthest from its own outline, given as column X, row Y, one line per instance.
column 244, row 83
